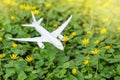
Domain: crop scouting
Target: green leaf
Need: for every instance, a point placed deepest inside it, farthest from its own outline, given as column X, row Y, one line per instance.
column 89, row 76
column 10, row 64
column 118, row 69
column 117, row 78
column 66, row 65
column 71, row 77
column 62, row 73
column 9, row 72
column 22, row 76
column 21, row 66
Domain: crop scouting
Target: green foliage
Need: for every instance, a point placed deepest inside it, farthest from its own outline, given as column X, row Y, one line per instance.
column 96, row 21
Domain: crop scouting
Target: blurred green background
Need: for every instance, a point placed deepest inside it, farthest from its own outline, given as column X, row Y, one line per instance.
column 91, row 45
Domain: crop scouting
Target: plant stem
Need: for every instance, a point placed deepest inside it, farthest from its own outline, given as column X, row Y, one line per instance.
column 0, row 69
column 113, row 55
column 96, row 70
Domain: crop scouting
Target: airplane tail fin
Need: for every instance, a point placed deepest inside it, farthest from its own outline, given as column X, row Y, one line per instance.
column 33, row 16
column 34, row 20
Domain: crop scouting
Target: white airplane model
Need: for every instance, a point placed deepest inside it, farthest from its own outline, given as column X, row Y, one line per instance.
column 45, row 35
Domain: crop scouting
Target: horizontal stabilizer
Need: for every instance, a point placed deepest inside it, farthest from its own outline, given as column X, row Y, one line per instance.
column 28, row 25
column 40, row 20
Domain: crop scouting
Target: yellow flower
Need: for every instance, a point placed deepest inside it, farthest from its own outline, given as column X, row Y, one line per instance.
column 22, row 6
column 73, row 34
column 55, row 25
column 12, row 17
column 14, row 45
column 66, row 38
column 29, row 58
column 118, row 28
column 117, row 8
column 1, row 38
column 90, row 5
column 2, row 55
column 86, row 62
column 103, row 31
column 13, row 56
column 85, row 41
column 107, row 47
column 74, row 71
column 69, row 0
column 7, row 2
column 87, row 57
column 48, row 5
column 27, row 7
column 83, row 25
column 32, row 8
column 96, row 51
column 106, row 4
column 97, row 41
column 105, row 20
column 13, row 3
column 88, row 32
column 36, row 12
column 99, row 7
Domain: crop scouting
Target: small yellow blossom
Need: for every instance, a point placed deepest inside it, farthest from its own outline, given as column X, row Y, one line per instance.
column 55, row 25
column 86, row 62
column 13, row 56
column 83, row 25
column 103, row 31
column 74, row 71
column 88, row 32
column 27, row 7
column 99, row 7
column 66, row 38
column 107, row 47
column 13, row 3
column 87, row 57
column 36, row 12
column 22, row 6
column 90, row 5
column 69, row 0
column 32, row 8
column 12, row 17
column 1, row 38
column 117, row 8
column 29, row 58
column 97, row 41
column 2, row 55
column 48, row 5
column 73, row 34
column 106, row 5
column 118, row 28
column 105, row 20
column 7, row 2
column 14, row 45
column 96, row 51
column 85, row 41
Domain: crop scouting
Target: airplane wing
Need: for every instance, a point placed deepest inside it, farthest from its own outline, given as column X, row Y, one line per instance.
column 58, row 31
column 36, row 39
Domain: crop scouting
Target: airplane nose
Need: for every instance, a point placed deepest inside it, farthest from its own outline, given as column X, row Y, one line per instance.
column 61, row 48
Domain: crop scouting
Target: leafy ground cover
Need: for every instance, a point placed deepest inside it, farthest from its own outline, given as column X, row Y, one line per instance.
column 91, row 45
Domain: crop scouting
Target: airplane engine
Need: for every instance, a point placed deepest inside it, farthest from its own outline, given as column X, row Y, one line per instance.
column 41, row 45
column 61, row 37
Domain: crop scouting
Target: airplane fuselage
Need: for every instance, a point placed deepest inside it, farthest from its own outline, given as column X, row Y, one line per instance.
column 53, row 40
